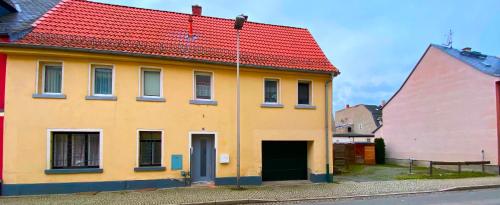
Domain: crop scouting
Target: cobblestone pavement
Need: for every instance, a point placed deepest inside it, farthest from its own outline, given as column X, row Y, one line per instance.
column 269, row 192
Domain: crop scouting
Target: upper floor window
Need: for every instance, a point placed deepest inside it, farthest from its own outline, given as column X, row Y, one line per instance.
column 271, row 89
column 75, row 150
column 304, row 93
column 203, row 85
column 102, row 80
column 151, row 82
column 51, row 77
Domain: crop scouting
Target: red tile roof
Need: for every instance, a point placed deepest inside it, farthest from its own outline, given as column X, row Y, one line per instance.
column 90, row 25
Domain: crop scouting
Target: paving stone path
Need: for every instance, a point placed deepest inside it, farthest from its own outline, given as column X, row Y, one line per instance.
column 269, row 192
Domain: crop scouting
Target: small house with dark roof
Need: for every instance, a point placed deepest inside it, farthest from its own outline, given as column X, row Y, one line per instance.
column 353, row 138
column 448, row 109
column 102, row 97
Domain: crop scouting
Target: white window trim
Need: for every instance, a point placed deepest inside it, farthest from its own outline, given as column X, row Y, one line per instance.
column 264, row 90
column 212, row 85
column 49, row 143
column 139, row 142
column 311, row 91
column 141, row 80
column 190, row 146
column 91, row 85
column 40, row 89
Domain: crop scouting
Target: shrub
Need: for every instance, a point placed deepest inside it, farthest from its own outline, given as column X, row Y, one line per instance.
column 379, row 151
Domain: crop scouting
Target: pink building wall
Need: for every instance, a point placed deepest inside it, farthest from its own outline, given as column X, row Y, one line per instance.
column 446, row 111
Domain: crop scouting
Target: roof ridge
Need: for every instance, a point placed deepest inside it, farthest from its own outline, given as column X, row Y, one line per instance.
column 175, row 12
column 444, row 47
column 50, row 11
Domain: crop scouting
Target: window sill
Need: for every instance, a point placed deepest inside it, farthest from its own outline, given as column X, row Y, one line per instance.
column 111, row 98
column 49, row 96
column 203, row 102
column 150, row 99
column 73, row 171
column 271, row 105
column 149, row 169
column 310, row 107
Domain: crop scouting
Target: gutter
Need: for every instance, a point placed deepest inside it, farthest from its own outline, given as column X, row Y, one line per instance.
column 183, row 59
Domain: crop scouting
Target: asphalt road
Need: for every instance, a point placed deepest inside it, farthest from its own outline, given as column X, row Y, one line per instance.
column 477, row 197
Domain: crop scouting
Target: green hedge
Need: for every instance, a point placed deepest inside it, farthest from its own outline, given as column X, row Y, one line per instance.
column 379, row 151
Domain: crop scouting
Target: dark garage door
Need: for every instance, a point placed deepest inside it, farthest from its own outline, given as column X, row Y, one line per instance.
column 284, row 160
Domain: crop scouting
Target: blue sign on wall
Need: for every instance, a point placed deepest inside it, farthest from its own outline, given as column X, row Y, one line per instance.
column 176, row 162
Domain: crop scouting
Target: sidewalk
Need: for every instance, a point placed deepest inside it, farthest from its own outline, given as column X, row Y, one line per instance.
column 267, row 192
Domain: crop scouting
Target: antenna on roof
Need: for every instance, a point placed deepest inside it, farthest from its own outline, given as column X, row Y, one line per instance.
column 449, row 40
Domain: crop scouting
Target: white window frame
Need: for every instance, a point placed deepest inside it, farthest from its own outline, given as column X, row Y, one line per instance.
column 43, row 63
column 49, row 143
column 278, row 100
column 212, row 84
column 141, row 80
column 91, row 88
column 138, row 144
column 311, row 89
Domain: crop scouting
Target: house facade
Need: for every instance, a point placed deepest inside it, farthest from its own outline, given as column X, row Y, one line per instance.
column 16, row 17
column 446, row 110
column 361, row 119
column 129, row 98
column 353, row 138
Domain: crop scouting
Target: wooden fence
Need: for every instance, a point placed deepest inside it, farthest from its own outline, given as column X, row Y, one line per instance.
column 459, row 164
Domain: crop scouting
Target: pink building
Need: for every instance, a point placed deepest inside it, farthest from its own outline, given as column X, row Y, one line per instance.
column 447, row 109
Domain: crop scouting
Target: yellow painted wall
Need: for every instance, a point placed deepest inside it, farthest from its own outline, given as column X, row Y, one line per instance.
column 27, row 119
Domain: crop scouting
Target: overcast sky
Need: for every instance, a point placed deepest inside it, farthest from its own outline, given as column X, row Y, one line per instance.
column 374, row 43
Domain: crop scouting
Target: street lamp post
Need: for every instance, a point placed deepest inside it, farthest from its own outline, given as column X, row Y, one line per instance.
column 238, row 25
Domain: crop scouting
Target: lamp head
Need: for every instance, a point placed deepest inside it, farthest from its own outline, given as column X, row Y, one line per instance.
column 240, row 20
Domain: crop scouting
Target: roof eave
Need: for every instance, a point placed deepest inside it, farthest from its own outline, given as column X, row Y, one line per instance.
column 122, row 53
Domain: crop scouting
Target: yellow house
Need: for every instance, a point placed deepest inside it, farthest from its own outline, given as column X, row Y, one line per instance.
column 129, row 98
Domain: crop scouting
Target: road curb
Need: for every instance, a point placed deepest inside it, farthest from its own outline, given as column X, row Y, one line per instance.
column 231, row 202
column 466, row 188
column 256, row 201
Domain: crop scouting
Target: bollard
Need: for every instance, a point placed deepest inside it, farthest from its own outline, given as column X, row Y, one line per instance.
column 430, row 168
column 411, row 166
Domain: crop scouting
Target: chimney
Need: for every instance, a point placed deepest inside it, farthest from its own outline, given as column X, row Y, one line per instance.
column 196, row 10
column 347, row 106
column 467, row 49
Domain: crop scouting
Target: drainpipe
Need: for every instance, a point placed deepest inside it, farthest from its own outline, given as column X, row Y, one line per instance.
column 327, row 137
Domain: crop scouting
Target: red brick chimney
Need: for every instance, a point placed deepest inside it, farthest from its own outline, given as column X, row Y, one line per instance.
column 196, row 10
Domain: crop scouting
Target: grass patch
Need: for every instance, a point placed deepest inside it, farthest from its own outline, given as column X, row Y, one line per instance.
column 423, row 173
column 397, row 172
column 354, row 169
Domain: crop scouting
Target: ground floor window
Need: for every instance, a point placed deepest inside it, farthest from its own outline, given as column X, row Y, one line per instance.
column 149, row 148
column 75, row 150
